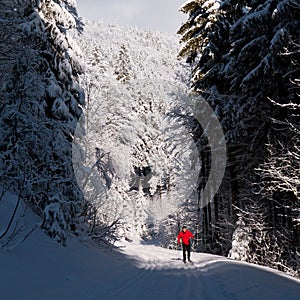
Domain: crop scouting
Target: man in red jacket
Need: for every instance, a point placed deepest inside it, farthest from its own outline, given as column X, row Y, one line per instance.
column 185, row 236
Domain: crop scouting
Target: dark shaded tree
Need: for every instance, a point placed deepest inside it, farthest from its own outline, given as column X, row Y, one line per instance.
column 40, row 104
column 245, row 59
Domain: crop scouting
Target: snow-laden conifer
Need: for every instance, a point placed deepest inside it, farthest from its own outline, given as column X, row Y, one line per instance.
column 43, row 107
column 132, row 124
column 252, row 83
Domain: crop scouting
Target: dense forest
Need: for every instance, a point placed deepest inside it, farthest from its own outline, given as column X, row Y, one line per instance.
column 111, row 132
column 41, row 102
column 244, row 57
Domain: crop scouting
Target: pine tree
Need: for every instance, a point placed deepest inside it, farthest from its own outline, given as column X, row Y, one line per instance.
column 263, row 67
column 205, row 35
column 260, row 40
column 97, row 60
column 279, row 182
column 240, row 242
column 43, row 108
column 123, row 69
column 251, row 82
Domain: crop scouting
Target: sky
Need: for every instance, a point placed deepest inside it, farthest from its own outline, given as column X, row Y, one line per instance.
column 157, row 15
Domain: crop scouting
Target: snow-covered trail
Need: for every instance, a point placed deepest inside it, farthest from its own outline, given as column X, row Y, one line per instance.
column 164, row 276
column 40, row 268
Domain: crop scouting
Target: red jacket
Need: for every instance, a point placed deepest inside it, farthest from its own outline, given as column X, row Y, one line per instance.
column 185, row 236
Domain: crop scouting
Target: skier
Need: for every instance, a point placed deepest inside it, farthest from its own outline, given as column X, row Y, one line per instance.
column 185, row 235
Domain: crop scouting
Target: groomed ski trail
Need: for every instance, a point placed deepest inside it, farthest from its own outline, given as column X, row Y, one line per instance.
column 40, row 268
column 209, row 277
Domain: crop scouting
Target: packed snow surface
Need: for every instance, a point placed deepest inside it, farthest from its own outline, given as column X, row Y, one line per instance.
column 40, row 268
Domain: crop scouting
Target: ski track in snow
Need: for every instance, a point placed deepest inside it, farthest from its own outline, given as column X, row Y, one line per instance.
column 199, row 280
column 192, row 278
column 40, row 268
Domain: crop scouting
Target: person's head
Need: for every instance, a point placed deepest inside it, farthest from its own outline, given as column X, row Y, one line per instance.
column 184, row 228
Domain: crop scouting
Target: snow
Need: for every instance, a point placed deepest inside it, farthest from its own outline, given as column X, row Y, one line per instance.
column 40, row 268
column 133, row 83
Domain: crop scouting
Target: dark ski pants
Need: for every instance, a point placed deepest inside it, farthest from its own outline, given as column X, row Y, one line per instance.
column 186, row 248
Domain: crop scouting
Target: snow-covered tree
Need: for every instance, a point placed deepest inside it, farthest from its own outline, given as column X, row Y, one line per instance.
column 148, row 149
column 205, row 38
column 279, row 185
column 259, row 64
column 98, row 60
column 244, row 56
column 240, row 242
column 42, row 104
column 264, row 67
column 123, row 69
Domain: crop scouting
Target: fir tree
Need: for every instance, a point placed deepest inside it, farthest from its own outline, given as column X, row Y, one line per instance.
column 97, row 60
column 251, row 82
column 123, row 69
column 240, row 242
column 260, row 40
column 43, row 108
column 205, row 35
